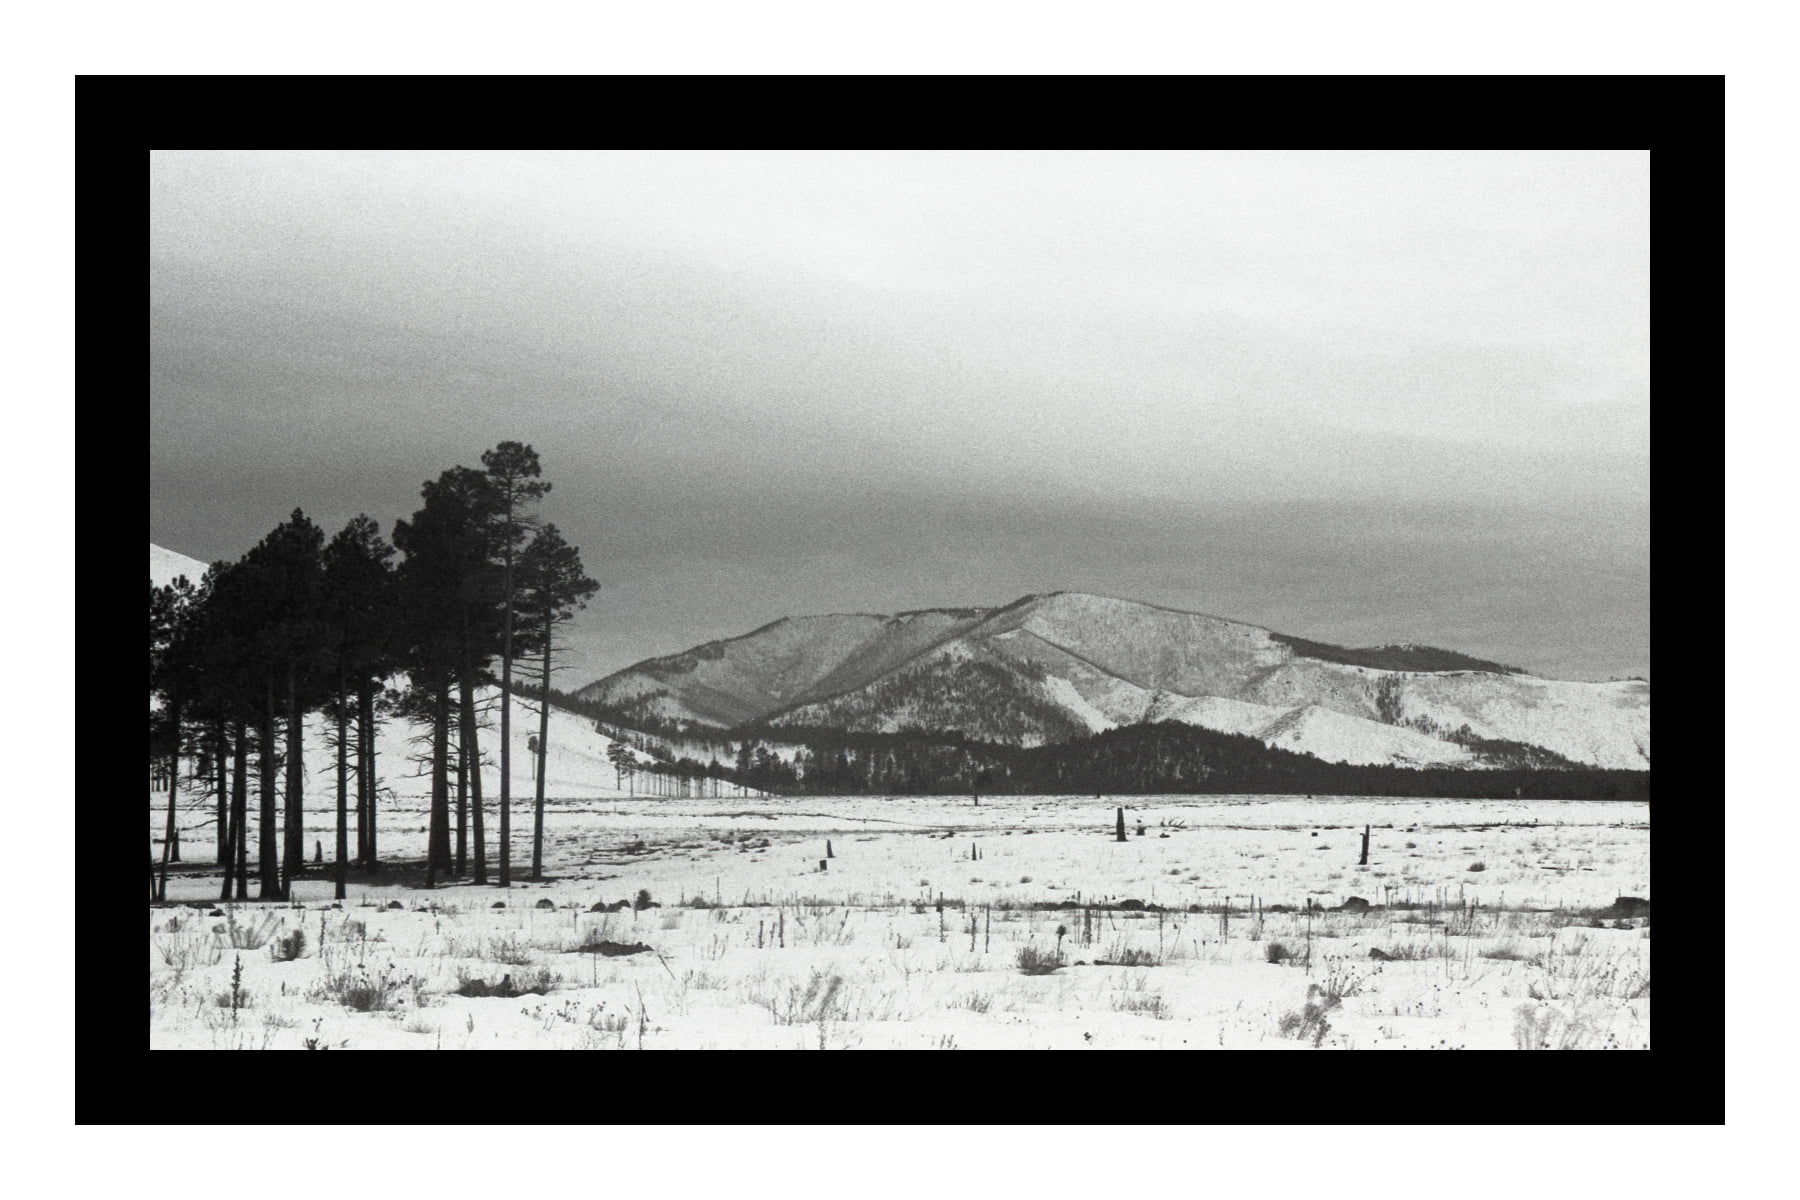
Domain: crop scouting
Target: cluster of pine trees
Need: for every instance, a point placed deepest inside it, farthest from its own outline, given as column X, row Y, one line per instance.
column 986, row 699
column 301, row 625
column 1164, row 757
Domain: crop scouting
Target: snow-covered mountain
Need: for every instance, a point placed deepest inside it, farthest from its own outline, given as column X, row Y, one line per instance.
column 165, row 565
column 1048, row 667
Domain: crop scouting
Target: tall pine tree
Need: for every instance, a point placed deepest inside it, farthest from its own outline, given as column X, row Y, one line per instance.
column 552, row 586
column 360, row 604
column 513, row 472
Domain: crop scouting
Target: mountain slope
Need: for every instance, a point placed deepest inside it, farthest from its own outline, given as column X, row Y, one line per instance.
column 786, row 662
column 165, row 565
column 1052, row 666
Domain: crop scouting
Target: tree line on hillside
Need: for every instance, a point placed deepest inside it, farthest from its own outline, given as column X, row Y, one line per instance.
column 994, row 701
column 1393, row 658
column 1164, row 757
column 301, row 624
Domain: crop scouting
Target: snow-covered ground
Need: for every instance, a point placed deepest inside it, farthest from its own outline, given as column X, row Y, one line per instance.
column 755, row 945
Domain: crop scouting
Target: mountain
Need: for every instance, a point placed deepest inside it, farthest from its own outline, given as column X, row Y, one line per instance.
column 165, row 565
column 1049, row 667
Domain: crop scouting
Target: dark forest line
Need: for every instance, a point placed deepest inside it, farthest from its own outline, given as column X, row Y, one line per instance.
column 1164, row 757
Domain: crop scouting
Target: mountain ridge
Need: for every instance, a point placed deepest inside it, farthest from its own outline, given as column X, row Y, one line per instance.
column 1051, row 665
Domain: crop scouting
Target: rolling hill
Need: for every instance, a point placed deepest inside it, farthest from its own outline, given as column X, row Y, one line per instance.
column 1049, row 667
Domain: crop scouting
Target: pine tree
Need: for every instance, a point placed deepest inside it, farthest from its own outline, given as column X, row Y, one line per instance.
column 553, row 586
column 513, row 472
column 174, row 679
column 359, row 600
column 272, row 619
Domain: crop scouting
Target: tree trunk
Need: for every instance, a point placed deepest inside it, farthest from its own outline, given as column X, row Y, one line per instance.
column 472, row 749
column 365, row 835
column 230, row 853
column 1120, row 835
column 537, row 828
column 170, row 846
column 506, row 720
column 267, row 867
column 228, row 835
column 293, row 860
column 219, row 775
column 343, row 781
column 462, row 797
column 362, row 782
column 240, row 806
column 464, row 763
column 438, row 847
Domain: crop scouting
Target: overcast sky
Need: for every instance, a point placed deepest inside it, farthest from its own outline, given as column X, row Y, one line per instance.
column 1357, row 397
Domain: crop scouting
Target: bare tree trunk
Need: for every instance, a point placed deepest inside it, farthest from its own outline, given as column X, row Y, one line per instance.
column 506, row 713
column 438, row 849
column 170, row 846
column 343, row 782
column 240, row 807
column 231, row 836
column 267, row 865
column 462, row 796
column 464, row 764
column 472, row 749
column 365, row 745
column 537, row 829
column 222, row 829
column 293, row 861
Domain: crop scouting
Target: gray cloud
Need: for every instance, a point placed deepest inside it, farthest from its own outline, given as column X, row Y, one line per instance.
column 1356, row 397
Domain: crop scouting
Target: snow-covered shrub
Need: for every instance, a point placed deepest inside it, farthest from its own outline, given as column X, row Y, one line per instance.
column 289, row 946
column 251, row 935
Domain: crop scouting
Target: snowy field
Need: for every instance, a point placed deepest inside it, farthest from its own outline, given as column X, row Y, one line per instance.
column 752, row 944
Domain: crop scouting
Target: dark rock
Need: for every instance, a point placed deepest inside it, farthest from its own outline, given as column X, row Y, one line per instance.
column 1630, row 906
column 600, row 906
column 1130, row 906
column 1381, row 955
column 498, row 904
column 217, row 912
column 615, row 949
column 1193, row 908
column 1355, row 904
column 395, row 904
column 546, row 902
column 1278, row 908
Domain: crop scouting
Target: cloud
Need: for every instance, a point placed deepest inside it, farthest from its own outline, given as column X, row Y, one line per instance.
column 777, row 383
